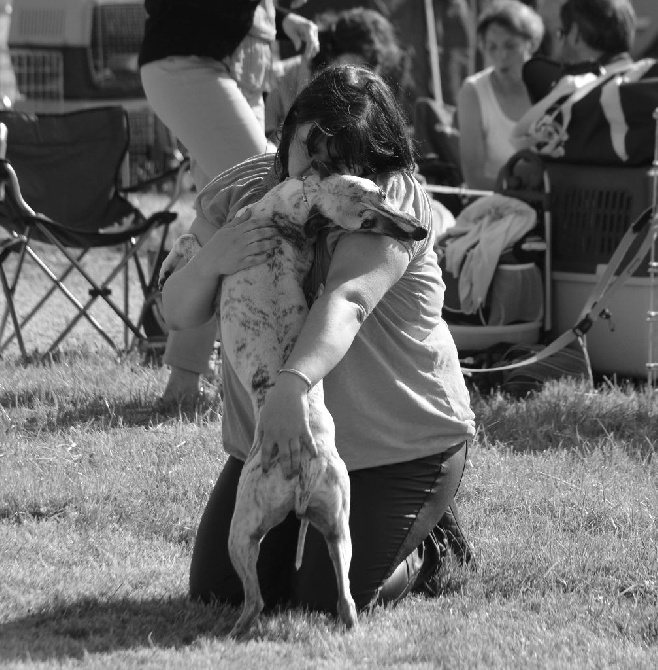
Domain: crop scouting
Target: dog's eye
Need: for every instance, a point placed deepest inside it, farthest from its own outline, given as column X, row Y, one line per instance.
column 368, row 224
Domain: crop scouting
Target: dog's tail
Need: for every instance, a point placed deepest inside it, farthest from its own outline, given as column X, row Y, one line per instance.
column 301, row 540
column 310, row 474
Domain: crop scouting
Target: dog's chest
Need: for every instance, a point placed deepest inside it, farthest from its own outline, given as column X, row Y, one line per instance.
column 267, row 298
column 263, row 308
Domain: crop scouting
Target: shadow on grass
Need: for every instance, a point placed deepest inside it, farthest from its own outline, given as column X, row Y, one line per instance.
column 90, row 626
column 37, row 415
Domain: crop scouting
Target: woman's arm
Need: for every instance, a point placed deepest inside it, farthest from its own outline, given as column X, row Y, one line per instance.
column 189, row 294
column 301, row 31
column 363, row 268
column 472, row 148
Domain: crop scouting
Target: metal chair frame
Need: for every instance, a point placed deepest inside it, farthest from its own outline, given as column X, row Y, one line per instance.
column 29, row 226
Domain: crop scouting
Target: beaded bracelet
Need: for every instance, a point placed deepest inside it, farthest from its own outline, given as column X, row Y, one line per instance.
column 299, row 374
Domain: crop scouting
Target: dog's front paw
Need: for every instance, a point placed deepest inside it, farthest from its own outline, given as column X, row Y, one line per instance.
column 169, row 264
column 185, row 247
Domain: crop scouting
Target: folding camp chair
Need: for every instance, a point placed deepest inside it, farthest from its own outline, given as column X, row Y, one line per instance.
column 62, row 188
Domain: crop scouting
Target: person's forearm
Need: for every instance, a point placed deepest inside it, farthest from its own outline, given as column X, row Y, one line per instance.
column 363, row 268
column 328, row 333
column 189, row 294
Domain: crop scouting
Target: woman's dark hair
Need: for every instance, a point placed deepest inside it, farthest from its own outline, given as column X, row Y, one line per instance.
column 356, row 112
column 604, row 25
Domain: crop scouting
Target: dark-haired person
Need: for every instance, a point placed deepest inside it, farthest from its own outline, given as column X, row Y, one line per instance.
column 357, row 36
column 377, row 340
column 600, row 31
column 491, row 101
column 594, row 38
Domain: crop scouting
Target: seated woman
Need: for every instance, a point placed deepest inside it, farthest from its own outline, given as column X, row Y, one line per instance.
column 376, row 339
column 491, row 101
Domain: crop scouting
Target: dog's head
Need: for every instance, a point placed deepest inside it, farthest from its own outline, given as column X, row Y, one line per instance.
column 354, row 203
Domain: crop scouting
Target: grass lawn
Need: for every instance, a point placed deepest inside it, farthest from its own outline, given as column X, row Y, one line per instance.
column 100, row 497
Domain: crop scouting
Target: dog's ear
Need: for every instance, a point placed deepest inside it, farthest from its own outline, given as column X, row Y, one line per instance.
column 316, row 222
column 321, row 169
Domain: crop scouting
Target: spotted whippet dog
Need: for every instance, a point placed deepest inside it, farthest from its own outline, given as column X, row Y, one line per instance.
column 261, row 312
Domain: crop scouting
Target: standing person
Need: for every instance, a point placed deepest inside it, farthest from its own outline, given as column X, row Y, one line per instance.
column 491, row 101
column 376, row 339
column 204, row 65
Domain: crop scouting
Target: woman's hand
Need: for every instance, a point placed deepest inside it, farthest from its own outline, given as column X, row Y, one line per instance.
column 239, row 244
column 299, row 30
column 284, row 425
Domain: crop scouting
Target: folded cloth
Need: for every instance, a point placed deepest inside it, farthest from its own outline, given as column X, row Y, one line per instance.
column 473, row 246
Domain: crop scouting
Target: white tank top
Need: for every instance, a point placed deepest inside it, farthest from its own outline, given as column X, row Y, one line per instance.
column 497, row 126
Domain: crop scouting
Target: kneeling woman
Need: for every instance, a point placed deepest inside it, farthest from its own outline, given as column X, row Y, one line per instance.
column 376, row 339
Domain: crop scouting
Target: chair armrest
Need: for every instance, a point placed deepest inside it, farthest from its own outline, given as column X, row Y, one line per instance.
column 9, row 179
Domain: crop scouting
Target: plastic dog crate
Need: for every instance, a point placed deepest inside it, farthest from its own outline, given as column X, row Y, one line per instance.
column 591, row 209
column 619, row 345
column 94, row 45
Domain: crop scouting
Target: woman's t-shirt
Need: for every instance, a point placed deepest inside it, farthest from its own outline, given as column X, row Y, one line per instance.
column 398, row 394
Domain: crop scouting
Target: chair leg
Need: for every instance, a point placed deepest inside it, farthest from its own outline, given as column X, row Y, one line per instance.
column 72, row 299
column 57, row 283
column 12, row 289
column 97, row 291
column 126, row 297
column 12, row 312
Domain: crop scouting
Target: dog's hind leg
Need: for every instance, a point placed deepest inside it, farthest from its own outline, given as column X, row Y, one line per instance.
column 339, row 544
column 250, row 523
column 334, row 526
column 244, row 548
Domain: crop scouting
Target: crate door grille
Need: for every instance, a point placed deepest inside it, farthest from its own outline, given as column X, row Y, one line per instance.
column 117, row 32
column 39, row 73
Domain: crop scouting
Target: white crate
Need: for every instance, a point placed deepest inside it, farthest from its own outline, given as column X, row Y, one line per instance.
column 616, row 346
column 55, row 23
